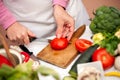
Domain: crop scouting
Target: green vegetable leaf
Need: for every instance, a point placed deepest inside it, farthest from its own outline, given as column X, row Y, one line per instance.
column 110, row 43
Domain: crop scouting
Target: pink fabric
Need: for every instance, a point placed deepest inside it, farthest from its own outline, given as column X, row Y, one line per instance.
column 63, row 3
column 6, row 18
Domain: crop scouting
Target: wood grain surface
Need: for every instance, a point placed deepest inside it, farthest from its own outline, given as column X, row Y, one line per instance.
column 62, row 58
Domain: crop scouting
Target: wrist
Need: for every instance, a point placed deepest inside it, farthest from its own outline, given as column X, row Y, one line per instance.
column 62, row 3
column 58, row 6
column 13, row 23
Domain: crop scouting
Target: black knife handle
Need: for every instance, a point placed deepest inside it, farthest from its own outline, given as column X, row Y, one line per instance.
column 25, row 49
column 32, row 39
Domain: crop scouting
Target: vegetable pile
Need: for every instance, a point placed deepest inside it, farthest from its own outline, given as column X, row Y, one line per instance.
column 25, row 71
column 84, row 58
column 106, row 28
column 107, row 19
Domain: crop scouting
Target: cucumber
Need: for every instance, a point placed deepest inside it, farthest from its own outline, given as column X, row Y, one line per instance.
column 84, row 58
column 68, row 78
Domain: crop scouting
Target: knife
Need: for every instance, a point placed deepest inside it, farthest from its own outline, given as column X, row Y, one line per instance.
column 42, row 39
column 32, row 56
column 24, row 48
column 39, row 39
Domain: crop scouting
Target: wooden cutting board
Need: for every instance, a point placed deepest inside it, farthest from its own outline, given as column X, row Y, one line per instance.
column 62, row 58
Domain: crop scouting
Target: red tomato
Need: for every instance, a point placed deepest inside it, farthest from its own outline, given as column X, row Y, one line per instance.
column 82, row 44
column 102, row 55
column 59, row 43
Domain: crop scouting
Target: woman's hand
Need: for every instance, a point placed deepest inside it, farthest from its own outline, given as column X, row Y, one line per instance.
column 65, row 23
column 18, row 33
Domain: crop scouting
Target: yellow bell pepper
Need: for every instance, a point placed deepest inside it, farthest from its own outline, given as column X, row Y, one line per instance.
column 112, row 73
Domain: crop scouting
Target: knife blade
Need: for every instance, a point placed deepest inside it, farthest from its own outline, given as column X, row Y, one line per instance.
column 39, row 39
column 32, row 56
column 24, row 48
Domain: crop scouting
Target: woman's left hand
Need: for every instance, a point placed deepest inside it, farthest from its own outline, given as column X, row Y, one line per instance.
column 65, row 23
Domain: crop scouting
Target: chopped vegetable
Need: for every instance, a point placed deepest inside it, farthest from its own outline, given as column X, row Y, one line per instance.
column 82, row 44
column 59, row 43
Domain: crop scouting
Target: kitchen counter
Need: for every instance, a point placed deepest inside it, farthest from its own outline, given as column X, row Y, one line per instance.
column 36, row 47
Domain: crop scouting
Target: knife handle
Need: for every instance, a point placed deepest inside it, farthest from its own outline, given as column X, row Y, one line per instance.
column 25, row 49
column 32, row 38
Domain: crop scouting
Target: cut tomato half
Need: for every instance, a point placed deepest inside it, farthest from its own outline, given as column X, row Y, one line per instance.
column 59, row 43
column 82, row 44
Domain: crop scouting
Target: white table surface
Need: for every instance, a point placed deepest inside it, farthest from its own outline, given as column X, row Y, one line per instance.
column 36, row 47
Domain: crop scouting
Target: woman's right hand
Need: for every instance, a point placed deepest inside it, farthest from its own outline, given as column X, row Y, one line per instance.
column 19, row 33
column 65, row 22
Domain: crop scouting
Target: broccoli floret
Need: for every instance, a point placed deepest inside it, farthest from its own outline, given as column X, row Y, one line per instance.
column 107, row 19
column 106, row 28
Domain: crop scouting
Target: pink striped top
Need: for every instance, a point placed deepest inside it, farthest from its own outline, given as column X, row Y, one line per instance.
column 7, row 19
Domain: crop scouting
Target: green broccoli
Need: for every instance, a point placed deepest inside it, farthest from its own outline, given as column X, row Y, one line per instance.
column 107, row 19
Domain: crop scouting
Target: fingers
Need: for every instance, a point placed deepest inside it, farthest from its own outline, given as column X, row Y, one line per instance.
column 24, row 38
column 19, row 33
column 30, row 33
column 69, row 35
column 68, row 32
column 71, row 27
column 59, row 31
column 21, row 38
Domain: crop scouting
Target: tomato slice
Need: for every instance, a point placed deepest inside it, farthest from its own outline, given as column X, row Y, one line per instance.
column 59, row 43
column 82, row 44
